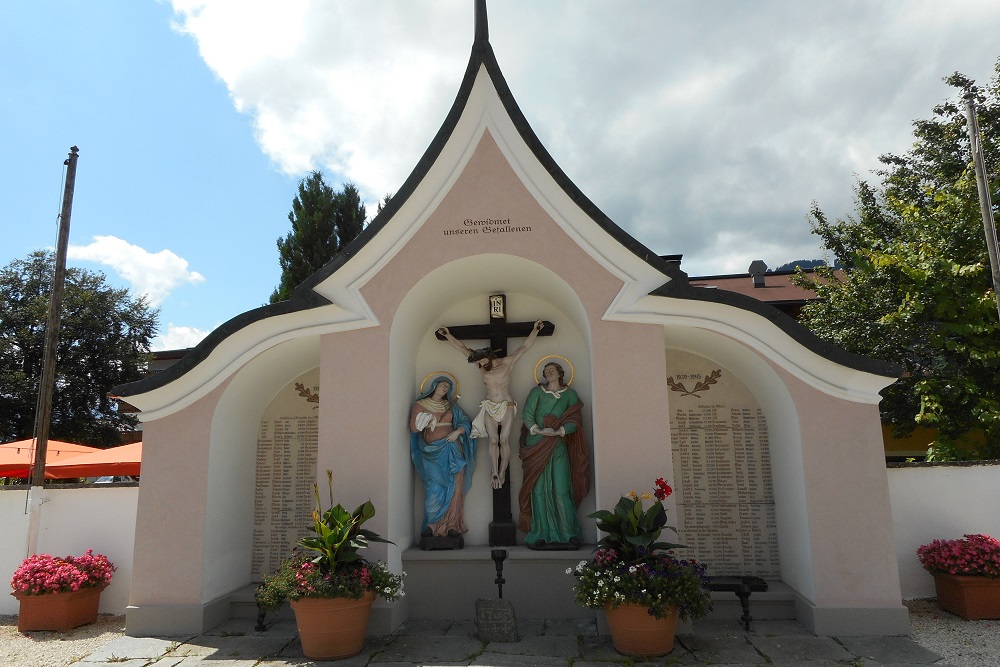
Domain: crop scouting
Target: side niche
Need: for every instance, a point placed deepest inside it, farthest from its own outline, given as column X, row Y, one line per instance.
column 286, row 470
column 722, row 469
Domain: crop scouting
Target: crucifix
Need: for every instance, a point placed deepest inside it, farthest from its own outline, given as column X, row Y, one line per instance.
column 496, row 416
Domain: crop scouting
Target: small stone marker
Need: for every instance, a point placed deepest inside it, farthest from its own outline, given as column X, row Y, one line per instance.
column 495, row 621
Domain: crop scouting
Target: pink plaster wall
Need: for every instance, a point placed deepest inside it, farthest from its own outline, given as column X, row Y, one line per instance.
column 355, row 369
column 354, row 420
column 173, row 493
column 847, row 497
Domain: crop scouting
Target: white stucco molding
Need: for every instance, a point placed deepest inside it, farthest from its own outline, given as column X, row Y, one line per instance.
column 235, row 350
column 484, row 111
column 761, row 335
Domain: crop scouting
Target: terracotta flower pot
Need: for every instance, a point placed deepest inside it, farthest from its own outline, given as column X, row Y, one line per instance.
column 332, row 628
column 972, row 598
column 637, row 633
column 58, row 612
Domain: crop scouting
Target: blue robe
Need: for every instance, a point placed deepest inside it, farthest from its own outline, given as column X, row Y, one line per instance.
column 439, row 462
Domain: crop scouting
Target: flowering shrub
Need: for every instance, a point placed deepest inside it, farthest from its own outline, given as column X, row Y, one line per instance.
column 300, row 577
column 655, row 581
column 41, row 573
column 333, row 568
column 632, row 566
column 633, row 531
column 972, row 556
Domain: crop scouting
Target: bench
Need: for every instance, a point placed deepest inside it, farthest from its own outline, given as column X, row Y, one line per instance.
column 742, row 586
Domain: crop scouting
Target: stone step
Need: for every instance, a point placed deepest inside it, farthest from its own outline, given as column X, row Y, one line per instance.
column 776, row 603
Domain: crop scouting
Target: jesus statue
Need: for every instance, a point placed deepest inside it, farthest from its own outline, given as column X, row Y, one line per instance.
column 498, row 408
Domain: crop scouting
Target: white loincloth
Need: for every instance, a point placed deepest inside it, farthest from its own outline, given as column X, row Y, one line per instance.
column 495, row 409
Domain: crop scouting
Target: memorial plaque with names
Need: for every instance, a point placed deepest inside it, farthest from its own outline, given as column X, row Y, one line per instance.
column 722, row 468
column 286, row 471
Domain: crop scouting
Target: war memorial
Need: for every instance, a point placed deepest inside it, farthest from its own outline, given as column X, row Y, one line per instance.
column 770, row 436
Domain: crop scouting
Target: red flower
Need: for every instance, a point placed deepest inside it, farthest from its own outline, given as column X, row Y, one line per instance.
column 662, row 489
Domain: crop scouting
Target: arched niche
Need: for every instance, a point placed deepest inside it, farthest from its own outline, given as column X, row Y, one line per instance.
column 457, row 293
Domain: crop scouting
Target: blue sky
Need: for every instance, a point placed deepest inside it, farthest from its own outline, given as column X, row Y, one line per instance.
column 703, row 128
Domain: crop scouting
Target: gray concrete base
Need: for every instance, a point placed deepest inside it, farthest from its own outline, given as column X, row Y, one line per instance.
column 387, row 616
column 890, row 620
column 175, row 620
column 446, row 584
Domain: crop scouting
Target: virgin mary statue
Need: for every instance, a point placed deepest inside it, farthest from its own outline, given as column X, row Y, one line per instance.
column 444, row 455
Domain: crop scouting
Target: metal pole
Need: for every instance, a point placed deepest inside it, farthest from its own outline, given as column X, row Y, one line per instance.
column 985, row 203
column 43, row 413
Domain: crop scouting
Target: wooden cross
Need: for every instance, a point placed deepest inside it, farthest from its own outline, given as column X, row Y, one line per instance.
column 498, row 330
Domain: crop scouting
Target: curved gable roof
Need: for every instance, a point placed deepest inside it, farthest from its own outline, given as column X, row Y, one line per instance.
column 309, row 305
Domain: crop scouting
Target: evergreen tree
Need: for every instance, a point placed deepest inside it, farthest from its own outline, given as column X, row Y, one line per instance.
column 323, row 223
column 916, row 287
column 103, row 341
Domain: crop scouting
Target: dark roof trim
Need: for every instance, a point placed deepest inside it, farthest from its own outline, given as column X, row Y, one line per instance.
column 304, row 297
column 679, row 288
column 482, row 55
column 200, row 352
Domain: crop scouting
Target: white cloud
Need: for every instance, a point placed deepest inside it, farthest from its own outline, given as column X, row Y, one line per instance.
column 154, row 275
column 178, row 338
column 692, row 124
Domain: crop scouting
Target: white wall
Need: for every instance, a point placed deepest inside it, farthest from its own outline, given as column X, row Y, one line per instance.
column 939, row 502
column 928, row 502
column 73, row 520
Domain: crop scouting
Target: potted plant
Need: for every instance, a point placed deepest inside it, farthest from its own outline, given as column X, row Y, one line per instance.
column 642, row 587
column 328, row 584
column 966, row 575
column 59, row 594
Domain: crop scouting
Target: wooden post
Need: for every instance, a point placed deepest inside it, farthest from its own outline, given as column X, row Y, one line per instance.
column 43, row 412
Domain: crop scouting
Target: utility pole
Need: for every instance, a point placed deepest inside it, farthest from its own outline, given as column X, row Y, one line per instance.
column 985, row 203
column 43, row 412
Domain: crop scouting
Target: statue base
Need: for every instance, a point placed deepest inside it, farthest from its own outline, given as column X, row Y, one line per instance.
column 542, row 545
column 503, row 534
column 442, row 543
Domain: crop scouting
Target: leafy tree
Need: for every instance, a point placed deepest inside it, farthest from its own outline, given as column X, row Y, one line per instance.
column 104, row 340
column 916, row 286
column 323, row 223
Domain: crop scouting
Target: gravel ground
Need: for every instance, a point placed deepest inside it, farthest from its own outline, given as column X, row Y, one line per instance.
column 961, row 643
column 55, row 649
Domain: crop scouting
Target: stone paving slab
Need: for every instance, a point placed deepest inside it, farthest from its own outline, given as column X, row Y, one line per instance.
column 888, row 650
column 221, row 647
column 801, row 649
column 436, row 650
column 462, row 629
column 531, row 627
column 721, row 650
column 127, row 648
column 291, row 654
column 237, row 643
column 548, row 646
column 509, row 660
column 600, row 651
column 576, row 627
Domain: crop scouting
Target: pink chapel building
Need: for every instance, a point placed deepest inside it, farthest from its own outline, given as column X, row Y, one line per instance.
column 770, row 436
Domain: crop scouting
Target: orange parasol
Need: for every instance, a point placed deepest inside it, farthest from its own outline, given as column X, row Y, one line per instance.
column 16, row 457
column 122, row 460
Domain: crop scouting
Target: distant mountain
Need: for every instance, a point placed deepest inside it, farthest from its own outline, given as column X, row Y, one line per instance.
column 801, row 263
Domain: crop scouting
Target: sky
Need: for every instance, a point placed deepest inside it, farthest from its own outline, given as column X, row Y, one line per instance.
column 705, row 127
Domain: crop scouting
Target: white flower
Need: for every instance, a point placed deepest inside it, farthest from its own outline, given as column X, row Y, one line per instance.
column 617, row 579
column 632, row 569
column 569, row 570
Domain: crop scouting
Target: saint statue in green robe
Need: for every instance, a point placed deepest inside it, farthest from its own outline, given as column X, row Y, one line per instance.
column 555, row 462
